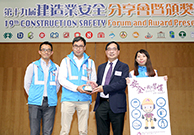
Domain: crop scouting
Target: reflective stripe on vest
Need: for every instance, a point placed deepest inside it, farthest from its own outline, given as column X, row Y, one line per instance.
column 37, row 82
column 76, row 77
column 36, row 76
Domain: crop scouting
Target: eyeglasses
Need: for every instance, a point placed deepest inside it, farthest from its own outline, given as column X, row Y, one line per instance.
column 114, row 49
column 46, row 50
column 80, row 47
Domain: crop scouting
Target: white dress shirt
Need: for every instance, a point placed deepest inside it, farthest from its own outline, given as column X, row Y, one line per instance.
column 104, row 76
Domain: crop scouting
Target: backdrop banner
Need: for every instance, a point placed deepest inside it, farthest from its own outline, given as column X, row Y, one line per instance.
column 148, row 105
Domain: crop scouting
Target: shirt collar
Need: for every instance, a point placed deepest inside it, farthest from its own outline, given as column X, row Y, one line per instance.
column 43, row 62
column 114, row 62
column 142, row 68
column 75, row 58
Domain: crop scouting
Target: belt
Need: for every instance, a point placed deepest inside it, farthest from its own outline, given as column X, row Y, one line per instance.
column 104, row 99
column 45, row 98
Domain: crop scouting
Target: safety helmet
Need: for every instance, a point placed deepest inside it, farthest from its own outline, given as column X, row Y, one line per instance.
column 147, row 101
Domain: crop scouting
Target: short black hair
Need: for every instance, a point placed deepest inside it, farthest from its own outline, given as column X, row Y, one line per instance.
column 76, row 39
column 118, row 47
column 46, row 43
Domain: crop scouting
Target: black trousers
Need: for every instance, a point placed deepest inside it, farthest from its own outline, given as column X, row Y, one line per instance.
column 105, row 116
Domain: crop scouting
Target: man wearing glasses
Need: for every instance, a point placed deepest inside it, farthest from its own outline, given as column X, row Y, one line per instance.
column 41, row 84
column 110, row 104
column 73, row 77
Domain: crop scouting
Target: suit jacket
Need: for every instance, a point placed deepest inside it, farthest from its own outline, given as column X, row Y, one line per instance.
column 116, row 87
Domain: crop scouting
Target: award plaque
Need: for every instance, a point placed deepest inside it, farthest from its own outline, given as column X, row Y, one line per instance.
column 88, row 87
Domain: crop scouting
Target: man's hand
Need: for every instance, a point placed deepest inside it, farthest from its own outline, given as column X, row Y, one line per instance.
column 93, row 84
column 80, row 89
column 98, row 89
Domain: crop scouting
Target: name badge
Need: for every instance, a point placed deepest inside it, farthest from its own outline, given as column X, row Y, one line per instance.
column 118, row 73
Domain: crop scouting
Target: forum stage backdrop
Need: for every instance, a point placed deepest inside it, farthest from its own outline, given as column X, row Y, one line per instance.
column 61, row 21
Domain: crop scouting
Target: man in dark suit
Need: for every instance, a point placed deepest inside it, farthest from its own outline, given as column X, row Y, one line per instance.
column 110, row 104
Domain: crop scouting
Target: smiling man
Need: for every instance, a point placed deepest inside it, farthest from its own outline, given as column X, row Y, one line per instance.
column 41, row 85
column 111, row 98
column 73, row 77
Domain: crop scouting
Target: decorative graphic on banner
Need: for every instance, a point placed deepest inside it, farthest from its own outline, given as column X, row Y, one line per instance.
column 135, row 34
column 118, row 20
column 30, row 35
column 7, row 35
column 66, row 34
column 42, row 35
column 123, row 34
column 148, row 105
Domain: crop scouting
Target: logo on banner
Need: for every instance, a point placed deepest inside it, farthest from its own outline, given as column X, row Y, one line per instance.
column 7, row 35
column 30, row 35
column 161, row 34
column 135, row 34
column 162, row 112
column 101, row 35
column 112, row 35
column 172, row 35
column 148, row 36
column 89, row 34
column 182, row 34
column 42, row 35
column 192, row 34
column 123, row 34
column 54, row 35
column 66, row 34
column 77, row 34
column 20, row 35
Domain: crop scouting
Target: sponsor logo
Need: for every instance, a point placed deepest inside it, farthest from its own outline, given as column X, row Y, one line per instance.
column 172, row 35
column 20, row 35
column 54, row 35
column 42, row 35
column 192, row 34
column 100, row 35
column 135, row 34
column 77, row 34
column 8, row 35
column 182, row 34
column 30, row 35
column 112, row 35
column 148, row 36
column 123, row 34
column 66, row 34
column 89, row 34
column 160, row 34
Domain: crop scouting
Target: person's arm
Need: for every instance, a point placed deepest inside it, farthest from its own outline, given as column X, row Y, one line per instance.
column 63, row 77
column 165, row 77
column 57, row 81
column 28, row 78
column 128, row 78
column 156, row 73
